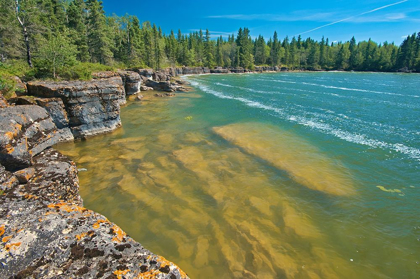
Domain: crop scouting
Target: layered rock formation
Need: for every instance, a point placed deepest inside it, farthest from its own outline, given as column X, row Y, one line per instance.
column 132, row 82
column 45, row 231
column 24, row 132
column 92, row 107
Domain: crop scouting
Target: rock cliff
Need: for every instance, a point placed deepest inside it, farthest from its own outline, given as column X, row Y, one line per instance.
column 45, row 231
column 92, row 107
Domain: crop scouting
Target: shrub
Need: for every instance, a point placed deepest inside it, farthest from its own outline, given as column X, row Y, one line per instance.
column 83, row 71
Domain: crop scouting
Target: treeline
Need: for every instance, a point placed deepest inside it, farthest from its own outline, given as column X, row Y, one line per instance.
column 53, row 35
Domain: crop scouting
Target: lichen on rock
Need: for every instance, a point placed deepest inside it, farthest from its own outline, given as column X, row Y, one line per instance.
column 45, row 232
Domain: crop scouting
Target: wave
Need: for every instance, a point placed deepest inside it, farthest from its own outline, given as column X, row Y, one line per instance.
column 322, row 127
column 359, row 90
column 246, row 89
column 340, row 88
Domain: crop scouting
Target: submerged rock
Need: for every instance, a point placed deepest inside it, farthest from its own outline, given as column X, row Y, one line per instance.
column 139, row 97
column 145, row 88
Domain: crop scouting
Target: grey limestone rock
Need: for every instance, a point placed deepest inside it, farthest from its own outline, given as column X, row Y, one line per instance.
column 93, row 107
column 47, row 233
column 132, row 82
column 25, row 131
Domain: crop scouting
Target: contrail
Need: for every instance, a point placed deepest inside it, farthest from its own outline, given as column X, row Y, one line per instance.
column 368, row 12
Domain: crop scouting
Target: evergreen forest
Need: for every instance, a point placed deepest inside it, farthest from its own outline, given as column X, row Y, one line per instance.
column 60, row 38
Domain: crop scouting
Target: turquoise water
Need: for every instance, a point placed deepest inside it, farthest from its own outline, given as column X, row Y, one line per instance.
column 297, row 175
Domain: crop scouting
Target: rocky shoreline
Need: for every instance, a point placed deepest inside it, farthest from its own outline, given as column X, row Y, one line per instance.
column 45, row 231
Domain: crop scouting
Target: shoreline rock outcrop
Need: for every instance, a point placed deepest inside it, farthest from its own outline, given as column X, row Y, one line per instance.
column 92, row 107
column 25, row 131
column 45, row 230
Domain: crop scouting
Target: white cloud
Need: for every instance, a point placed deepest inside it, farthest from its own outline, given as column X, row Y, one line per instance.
column 303, row 15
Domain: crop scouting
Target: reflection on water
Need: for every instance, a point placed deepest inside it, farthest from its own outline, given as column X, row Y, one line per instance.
column 241, row 200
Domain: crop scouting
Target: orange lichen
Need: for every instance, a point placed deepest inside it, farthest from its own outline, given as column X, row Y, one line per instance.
column 83, row 235
column 164, row 262
column 121, row 273
column 2, row 228
column 9, row 149
column 98, row 223
column 6, row 238
column 63, row 206
column 28, row 197
column 149, row 274
column 10, row 135
column 120, row 234
column 10, row 246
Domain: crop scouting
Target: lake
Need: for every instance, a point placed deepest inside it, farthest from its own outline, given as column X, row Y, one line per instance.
column 295, row 175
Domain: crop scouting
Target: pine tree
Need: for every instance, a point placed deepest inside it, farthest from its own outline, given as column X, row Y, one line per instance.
column 244, row 44
column 353, row 54
column 275, row 51
column 219, row 51
column 314, row 54
column 78, row 31
column 208, row 50
column 99, row 41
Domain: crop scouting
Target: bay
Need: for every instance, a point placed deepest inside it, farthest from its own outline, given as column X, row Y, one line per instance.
column 297, row 175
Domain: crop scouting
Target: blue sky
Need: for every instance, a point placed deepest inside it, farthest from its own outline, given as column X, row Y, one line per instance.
column 339, row 20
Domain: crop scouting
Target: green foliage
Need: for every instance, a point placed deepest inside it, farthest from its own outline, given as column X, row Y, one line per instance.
column 7, row 85
column 59, row 34
column 83, row 71
column 56, row 53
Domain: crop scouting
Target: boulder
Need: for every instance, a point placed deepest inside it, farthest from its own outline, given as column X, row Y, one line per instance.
column 145, row 88
column 165, row 86
column 145, row 74
column 93, row 107
column 132, row 82
column 161, row 76
column 25, row 131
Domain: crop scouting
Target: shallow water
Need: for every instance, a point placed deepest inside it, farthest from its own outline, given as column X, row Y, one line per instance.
column 268, row 175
